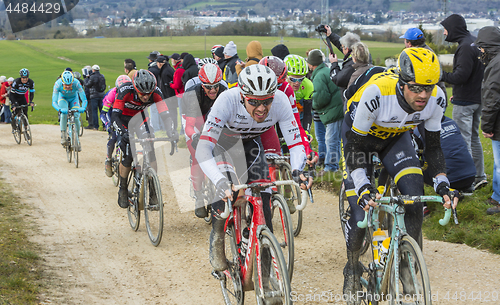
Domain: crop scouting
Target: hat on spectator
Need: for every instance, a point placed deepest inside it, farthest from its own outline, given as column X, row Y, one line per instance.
column 316, row 57
column 219, row 52
column 2, row 78
column 95, row 67
column 413, row 34
column 230, row 49
column 175, row 56
column 161, row 59
column 11, row 79
column 153, row 55
column 68, row 69
column 280, row 51
column 184, row 54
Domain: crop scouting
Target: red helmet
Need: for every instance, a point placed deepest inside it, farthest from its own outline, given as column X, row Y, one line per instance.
column 277, row 65
column 215, row 47
column 210, row 74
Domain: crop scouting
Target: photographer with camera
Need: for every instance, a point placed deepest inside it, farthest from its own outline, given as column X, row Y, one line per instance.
column 340, row 76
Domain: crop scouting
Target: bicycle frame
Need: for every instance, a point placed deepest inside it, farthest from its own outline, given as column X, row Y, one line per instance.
column 257, row 224
column 394, row 206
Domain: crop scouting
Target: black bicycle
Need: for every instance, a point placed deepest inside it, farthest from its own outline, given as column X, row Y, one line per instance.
column 22, row 126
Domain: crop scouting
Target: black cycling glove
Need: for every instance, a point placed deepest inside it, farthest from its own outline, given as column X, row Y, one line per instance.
column 367, row 193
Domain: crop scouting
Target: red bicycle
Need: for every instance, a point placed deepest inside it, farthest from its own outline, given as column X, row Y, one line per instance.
column 254, row 255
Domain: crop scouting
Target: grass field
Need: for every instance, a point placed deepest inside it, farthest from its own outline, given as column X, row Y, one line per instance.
column 46, row 59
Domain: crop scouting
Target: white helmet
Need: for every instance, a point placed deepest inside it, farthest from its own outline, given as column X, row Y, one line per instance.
column 206, row 60
column 257, row 80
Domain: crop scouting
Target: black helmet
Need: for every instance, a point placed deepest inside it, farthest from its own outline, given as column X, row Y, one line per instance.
column 24, row 72
column 144, row 81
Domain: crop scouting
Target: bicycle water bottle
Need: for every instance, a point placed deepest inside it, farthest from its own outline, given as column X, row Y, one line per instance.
column 378, row 238
column 244, row 241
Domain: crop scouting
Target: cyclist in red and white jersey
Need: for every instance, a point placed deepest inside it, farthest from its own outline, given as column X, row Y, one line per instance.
column 132, row 98
column 243, row 113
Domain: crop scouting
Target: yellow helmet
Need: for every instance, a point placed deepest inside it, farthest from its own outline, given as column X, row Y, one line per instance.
column 419, row 65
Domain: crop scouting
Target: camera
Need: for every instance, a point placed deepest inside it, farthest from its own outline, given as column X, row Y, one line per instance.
column 320, row 28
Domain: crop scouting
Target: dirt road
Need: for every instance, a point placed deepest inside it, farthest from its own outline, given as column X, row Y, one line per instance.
column 95, row 258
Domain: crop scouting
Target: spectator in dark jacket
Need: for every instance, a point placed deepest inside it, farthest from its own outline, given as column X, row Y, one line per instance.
column 219, row 56
column 152, row 67
column 342, row 76
column 229, row 73
column 190, row 68
column 488, row 40
column 95, row 82
column 166, row 76
column 466, row 80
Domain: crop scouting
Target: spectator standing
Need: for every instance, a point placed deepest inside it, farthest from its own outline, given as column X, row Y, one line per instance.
column 5, row 101
column 175, row 60
column 3, row 79
column 96, row 83
column 327, row 101
column 88, row 112
column 345, row 43
column 414, row 38
column 219, row 56
column 129, row 67
column 231, row 56
column 488, row 41
column 280, row 51
column 152, row 63
column 254, row 55
column 466, row 80
column 190, row 68
column 361, row 61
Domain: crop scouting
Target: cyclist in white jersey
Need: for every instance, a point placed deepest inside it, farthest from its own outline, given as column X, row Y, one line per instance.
column 242, row 114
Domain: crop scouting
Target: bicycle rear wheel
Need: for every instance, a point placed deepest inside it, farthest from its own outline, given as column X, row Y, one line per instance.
column 17, row 130
column 75, row 143
column 26, row 130
column 274, row 285
column 116, row 160
column 153, row 206
column 413, row 284
column 291, row 195
column 230, row 280
column 283, row 230
column 133, row 211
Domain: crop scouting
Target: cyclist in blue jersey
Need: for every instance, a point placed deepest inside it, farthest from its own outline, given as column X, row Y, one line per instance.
column 65, row 96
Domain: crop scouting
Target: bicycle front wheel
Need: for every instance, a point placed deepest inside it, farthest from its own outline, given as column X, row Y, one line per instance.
column 283, row 230
column 272, row 284
column 230, row 280
column 153, row 206
column 26, row 130
column 133, row 211
column 345, row 215
column 291, row 195
column 75, row 143
column 413, row 284
column 17, row 131
column 116, row 160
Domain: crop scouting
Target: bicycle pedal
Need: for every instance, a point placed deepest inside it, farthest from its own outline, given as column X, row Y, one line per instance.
column 218, row 275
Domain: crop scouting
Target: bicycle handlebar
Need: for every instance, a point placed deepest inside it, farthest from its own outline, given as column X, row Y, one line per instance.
column 173, row 142
column 406, row 199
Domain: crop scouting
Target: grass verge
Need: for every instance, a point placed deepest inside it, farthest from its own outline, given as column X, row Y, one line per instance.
column 20, row 265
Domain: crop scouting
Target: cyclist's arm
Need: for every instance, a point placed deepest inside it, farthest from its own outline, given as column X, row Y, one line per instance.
column 55, row 95
column 191, row 110
column 433, row 152
column 307, row 113
column 32, row 92
column 292, row 137
column 118, row 107
column 212, row 129
column 357, row 150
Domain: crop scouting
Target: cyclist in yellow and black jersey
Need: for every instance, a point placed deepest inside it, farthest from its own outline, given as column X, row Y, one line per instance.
column 377, row 122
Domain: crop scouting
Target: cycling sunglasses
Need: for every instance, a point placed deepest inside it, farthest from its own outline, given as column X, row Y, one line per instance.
column 419, row 88
column 210, row 87
column 256, row 102
column 296, row 80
